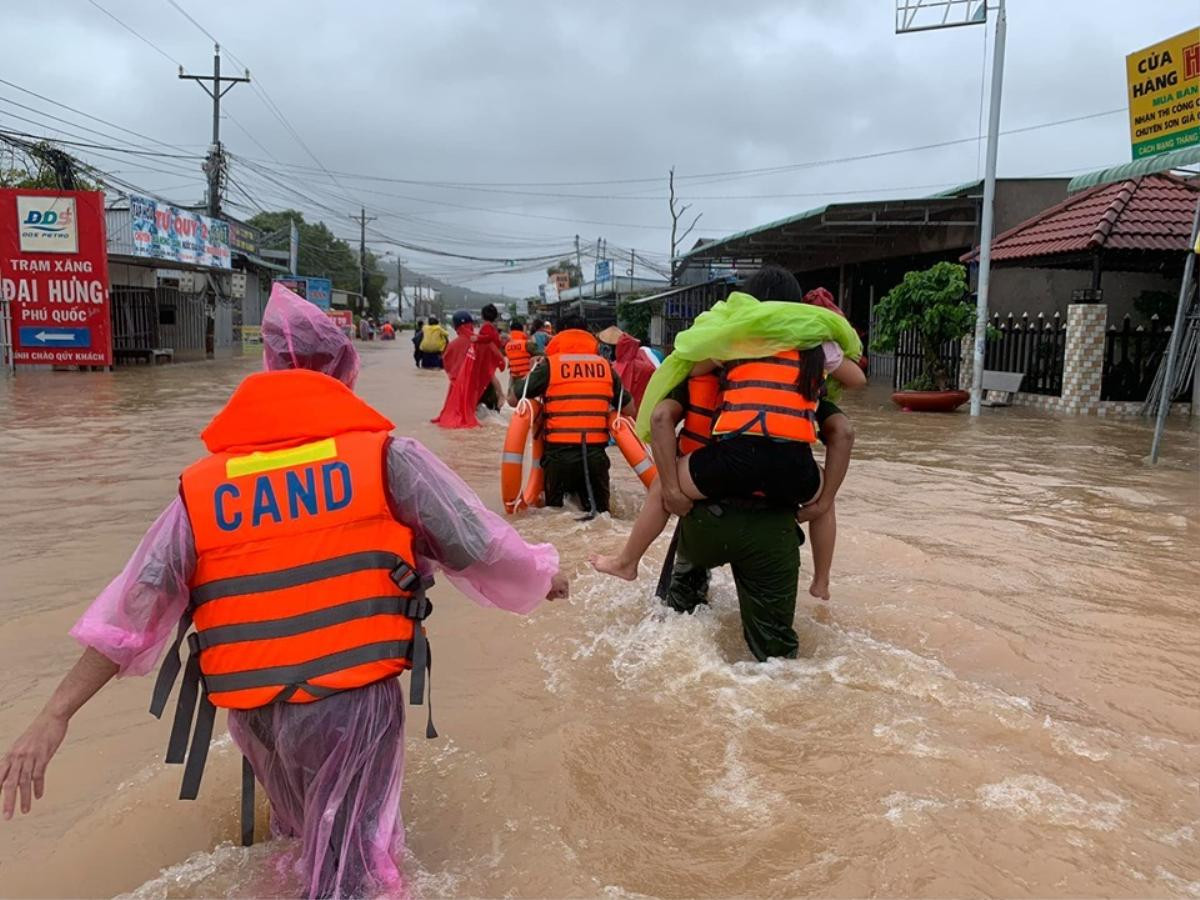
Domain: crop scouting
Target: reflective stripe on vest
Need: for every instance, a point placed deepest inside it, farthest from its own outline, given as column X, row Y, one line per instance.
column 517, row 351
column 762, row 397
column 299, row 563
column 704, row 394
column 578, row 399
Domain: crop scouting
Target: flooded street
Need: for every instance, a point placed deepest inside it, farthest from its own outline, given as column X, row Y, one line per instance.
column 1004, row 698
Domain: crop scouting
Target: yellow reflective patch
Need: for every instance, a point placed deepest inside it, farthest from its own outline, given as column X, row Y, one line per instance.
column 270, row 460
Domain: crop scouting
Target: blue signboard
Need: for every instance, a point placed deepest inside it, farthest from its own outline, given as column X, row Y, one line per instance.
column 603, row 269
column 66, row 338
column 320, row 292
column 317, row 291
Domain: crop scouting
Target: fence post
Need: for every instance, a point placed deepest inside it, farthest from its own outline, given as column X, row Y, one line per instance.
column 966, row 362
column 1083, row 363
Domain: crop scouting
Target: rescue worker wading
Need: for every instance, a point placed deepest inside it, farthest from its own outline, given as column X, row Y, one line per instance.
column 759, row 540
column 517, row 351
column 299, row 548
column 580, row 389
column 305, row 584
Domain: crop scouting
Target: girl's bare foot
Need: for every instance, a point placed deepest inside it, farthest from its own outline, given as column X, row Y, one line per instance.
column 819, row 589
column 612, row 565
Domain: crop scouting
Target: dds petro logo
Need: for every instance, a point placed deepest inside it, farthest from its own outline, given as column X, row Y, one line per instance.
column 47, row 224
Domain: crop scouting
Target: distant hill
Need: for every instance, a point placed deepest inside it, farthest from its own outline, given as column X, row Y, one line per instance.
column 453, row 296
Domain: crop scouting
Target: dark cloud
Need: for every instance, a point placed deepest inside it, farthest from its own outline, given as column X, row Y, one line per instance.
column 530, row 92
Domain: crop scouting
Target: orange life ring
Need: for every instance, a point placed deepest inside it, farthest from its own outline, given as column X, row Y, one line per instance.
column 512, row 461
column 624, row 432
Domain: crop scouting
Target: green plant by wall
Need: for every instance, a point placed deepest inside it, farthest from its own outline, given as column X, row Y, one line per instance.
column 634, row 318
column 1150, row 303
column 933, row 302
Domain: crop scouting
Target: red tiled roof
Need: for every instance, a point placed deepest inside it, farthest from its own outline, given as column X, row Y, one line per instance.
column 1153, row 213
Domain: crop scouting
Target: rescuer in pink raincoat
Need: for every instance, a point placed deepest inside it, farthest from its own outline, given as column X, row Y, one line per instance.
column 332, row 769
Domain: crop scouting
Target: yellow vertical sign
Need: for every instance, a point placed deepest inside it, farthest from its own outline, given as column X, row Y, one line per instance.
column 1164, row 95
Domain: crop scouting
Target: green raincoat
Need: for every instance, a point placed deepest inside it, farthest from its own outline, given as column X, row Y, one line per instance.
column 741, row 327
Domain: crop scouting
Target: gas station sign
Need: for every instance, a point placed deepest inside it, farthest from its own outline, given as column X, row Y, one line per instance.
column 54, row 274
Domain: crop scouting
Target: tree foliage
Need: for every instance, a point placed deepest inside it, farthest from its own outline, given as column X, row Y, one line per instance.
column 45, row 167
column 1151, row 303
column 931, row 302
column 634, row 318
column 324, row 255
column 573, row 271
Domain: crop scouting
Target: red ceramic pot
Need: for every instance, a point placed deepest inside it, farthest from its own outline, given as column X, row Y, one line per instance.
column 930, row 401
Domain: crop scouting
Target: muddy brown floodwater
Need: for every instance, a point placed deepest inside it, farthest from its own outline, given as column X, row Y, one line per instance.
column 1005, row 699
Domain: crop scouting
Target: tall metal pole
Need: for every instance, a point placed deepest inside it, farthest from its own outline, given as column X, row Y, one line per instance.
column 293, row 248
column 632, row 258
column 594, row 278
column 216, row 92
column 1185, row 295
column 579, row 266
column 400, row 289
column 214, row 165
column 989, row 212
column 362, row 220
column 362, row 253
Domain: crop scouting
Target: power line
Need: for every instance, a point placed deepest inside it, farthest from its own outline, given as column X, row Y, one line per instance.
column 260, row 91
column 140, row 37
column 208, row 34
column 129, row 148
column 724, row 175
column 80, row 112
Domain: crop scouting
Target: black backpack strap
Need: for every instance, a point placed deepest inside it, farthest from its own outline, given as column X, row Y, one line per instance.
column 194, row 704
column 170, row 668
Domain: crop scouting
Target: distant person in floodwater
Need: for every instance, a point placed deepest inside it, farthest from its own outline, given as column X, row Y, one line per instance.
column 489, row 334
column 633, row 365
column 471, row 367
column 418, row 336
column 307, row 500
column 520, row 351
column 434, row 338
column 542, row 334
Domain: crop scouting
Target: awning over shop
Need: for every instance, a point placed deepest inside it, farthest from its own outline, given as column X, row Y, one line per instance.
column 1138, row 224
column 259, row 262
column 1164, row 162
column 840, row 232
column 654, row 298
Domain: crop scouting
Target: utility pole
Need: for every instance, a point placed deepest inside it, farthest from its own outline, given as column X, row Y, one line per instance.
column 214, row 166
column 632, row 263
column 362, row 221
column 293, row 248
column 400, row 289
column 594, row 278
column 579, row 266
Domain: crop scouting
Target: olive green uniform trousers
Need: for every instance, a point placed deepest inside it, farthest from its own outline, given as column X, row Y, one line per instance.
column 763, row 548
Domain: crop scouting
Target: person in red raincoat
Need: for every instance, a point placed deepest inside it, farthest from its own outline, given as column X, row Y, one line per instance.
column 631, row 363
column 470, row 366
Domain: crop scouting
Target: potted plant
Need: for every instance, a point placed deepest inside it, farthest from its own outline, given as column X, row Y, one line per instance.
column 933, row 304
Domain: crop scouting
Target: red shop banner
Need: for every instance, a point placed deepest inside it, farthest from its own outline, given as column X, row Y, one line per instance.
column 54, row 273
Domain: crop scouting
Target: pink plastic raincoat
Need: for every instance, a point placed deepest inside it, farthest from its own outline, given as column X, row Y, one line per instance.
column 332, row 769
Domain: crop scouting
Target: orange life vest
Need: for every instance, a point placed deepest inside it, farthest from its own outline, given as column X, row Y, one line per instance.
column 517, row 351
column 704, row 397
column 305, row 584
column 580, row 394
column 762, row 397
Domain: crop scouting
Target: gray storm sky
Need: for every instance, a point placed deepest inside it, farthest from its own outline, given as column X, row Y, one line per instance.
column 566, row 116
